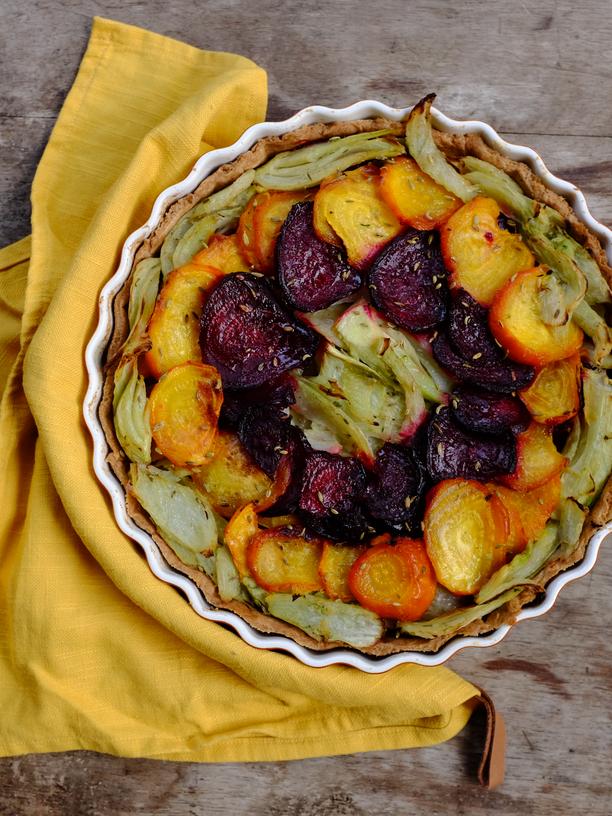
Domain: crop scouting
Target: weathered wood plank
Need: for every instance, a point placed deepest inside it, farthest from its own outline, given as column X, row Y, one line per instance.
column 541, row 74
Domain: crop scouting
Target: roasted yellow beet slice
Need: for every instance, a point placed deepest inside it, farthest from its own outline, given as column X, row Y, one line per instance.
column 516, row 322
column 231, row 479
column 224, row 253
column 554, row 395
column 357, row 213
column 245, row 232
column 174, row 327
column 334, row 568
column 283, row 561
column 537, row 459
column 185, row 406
column 240, row 530
column 465, row 526
column 322, row 227
column 480, row 255
column 414, row 197
column 270, row 213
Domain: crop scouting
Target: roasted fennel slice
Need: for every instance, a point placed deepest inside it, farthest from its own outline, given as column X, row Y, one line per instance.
column 324, row 619
column 452, row 621
column 131, row 412
column 523, row 567
column 182, row 515
column 143, row 293
column 309, row 166
column 431, row 160
column 226, row 576
column 220, row 211
column 590, row 464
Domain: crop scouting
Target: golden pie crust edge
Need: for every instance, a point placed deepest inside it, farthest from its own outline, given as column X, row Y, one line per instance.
column 454, row 146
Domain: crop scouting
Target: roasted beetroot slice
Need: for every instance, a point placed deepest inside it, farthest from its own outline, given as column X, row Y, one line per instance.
column 268, row 437
column 408, row 281
column 276, row 394
column 312, row 273
column 486, row 413
column 332, row 495
column 503, row 376
column 272, row 440
column 396, row 489
column 468, row 329
column 248, row 336
column 453, row 452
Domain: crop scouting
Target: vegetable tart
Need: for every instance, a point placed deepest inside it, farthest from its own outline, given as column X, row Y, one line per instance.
column 356, row 388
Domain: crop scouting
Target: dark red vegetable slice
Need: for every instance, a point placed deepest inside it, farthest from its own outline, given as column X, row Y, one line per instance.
column 487, row 413
column 312, row 273
column 408, row 281
column 468, row 329
column 502, row 376
column 277, row 394
column 248, row 336
column 453, row 452
column 396, row 489
column 273, row 442
column 332, row 494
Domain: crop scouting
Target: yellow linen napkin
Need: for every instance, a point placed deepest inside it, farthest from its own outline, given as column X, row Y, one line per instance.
column 95, row 652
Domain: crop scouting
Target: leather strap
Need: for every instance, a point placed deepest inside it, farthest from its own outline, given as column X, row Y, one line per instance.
column 492, row 766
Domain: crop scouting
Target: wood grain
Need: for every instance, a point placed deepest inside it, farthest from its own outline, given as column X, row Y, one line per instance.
column 539, row 73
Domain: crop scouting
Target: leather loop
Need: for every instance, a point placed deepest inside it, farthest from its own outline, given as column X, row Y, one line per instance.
column 492, row 766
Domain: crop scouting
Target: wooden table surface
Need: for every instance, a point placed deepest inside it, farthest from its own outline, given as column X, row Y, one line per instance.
column 541, row 74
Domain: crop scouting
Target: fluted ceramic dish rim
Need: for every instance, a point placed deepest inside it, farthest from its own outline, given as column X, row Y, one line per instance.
column 94, row 357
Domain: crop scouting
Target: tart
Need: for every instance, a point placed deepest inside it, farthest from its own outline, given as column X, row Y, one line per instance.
column 356, row 386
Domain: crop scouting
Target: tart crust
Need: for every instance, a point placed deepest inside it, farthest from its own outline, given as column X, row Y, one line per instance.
column 455, row 146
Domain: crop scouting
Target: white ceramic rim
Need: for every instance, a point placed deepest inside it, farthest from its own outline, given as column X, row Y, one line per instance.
column 98, row 343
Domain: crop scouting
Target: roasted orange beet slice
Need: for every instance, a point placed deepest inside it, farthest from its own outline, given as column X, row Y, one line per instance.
column 356, row 212
column 240, row 530
column 174, row 325
column 332, row 496
column 487, row 413
column 465, row 529
column 537, row 459
column 283, row 561
column 185, row 406
column 453, row 451
column 503, row 376
column 396, row 488
column 415, row 198
column 407, row 281
column 273, row 207
column 231, row 479
column 515, row 540
column 312, row 274
column 248, row 336
column 396, row 581
column 334, row 568
column 554, row 395
column 223, row 253
column 516, row 322
column 481, row 255
column 533, row 510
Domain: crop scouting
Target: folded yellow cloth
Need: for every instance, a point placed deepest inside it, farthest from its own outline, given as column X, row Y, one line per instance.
column 95, row 652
